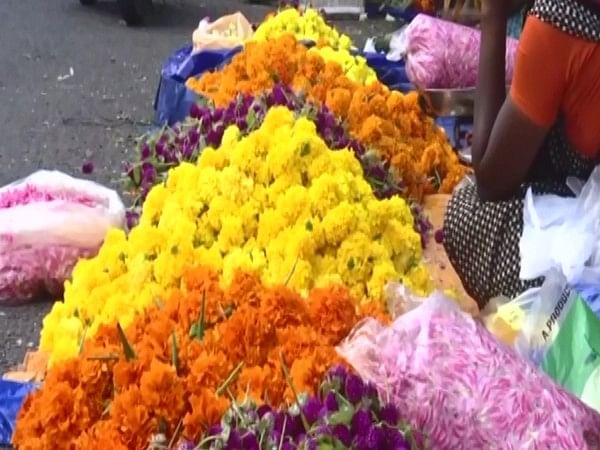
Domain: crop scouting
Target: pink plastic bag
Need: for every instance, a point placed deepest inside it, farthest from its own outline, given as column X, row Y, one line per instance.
column 445, row 55
column 47, row 222
column 464, row 389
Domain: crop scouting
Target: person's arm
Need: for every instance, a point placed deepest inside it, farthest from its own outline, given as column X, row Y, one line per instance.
column 508, row 132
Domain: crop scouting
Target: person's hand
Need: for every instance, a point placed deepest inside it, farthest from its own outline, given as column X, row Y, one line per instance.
column 500, row 9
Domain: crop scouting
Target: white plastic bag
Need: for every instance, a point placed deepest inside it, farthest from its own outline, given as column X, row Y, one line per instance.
column 561, row 233
column 226, row 32
column 47, row 222
column 465, row 390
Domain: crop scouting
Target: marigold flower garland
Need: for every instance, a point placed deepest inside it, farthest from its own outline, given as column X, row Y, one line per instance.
column 160, row 151
column 387, row 121
column 277, row 202
column 176, row 363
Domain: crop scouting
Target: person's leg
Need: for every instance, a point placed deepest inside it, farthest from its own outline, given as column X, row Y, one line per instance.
column 482, row 243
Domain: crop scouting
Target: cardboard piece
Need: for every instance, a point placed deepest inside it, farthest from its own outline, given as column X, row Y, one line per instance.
column 32, row 370
column 444, row 276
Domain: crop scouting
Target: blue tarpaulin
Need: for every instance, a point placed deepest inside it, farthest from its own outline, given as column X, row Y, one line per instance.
column 173, row 100
column 12, row 395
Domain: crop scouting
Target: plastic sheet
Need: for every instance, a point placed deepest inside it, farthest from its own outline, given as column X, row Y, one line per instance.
column 12, row 396
column 461, row 387
column 173, row 100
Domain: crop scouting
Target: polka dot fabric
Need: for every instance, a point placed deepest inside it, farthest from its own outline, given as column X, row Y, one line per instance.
column 572, row 16
column 482, row 238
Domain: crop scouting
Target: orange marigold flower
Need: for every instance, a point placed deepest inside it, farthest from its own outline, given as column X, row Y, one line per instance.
column 398, row 130
column 182, row 367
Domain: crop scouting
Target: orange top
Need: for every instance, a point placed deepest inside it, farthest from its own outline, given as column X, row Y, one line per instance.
column 557, row 74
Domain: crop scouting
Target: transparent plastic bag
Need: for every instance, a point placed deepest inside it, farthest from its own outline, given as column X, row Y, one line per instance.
column 451, row 65
column 465, row 390
column 226, row 32
column 49, row 220
column 550, row 222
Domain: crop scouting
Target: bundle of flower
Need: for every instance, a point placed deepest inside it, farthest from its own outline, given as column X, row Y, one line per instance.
column 346, row 413
column 391, row 123
column 277, row 202
column 177, row 367
column 305, row 26
column 161, row 151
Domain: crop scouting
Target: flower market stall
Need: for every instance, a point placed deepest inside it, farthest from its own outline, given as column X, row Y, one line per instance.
column 262, row 293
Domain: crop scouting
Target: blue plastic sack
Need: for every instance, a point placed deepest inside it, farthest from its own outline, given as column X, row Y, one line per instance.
column 12, row 396
column 390, row 73
column 173, row 100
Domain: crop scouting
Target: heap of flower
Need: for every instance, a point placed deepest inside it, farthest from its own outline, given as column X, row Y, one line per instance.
column 277, row 202
column 306, row 26
column 179, row 364
column 345, row 413
column 387, row 121
column 160, row 151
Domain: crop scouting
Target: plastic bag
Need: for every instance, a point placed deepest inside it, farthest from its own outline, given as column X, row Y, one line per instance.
column 558, row 332
column 445, row 55
column 47, row 222
column 550, row 222
column 463, row 388
column 12, row 396
column 226, row 32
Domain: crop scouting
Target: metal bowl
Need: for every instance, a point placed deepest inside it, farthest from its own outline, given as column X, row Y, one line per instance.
column 451, row 102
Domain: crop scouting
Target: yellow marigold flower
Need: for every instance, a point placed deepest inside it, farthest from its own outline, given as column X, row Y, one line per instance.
column 295, row 225
column 309, row 26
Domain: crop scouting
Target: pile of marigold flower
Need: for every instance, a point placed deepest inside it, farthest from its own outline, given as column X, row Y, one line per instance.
column 277, row 202
column 305, row 26
column 389, row 122
column 179, row 364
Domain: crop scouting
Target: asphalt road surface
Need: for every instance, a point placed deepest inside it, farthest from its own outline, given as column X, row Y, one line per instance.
column 76, row 84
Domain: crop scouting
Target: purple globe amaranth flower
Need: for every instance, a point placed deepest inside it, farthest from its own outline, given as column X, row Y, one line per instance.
column 439, row 236
column 249, row 441
column 145, row 151
column 354, row 388
column 132, row 219
column 342, row 433
column 185, row 444
column 263, row 409
column 339, row 373
column 311, row 410
column 389, row 414
column 375, row 438
column 195, row 111
column 193, row 136
column 331, row 402
column 361, row 422
column 214, row 136
column 394, row 439
column 148, row 173
column 214, row 430
column 235, row 440
column 87, row 167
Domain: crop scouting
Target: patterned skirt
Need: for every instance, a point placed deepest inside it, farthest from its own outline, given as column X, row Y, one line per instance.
column 482, row 238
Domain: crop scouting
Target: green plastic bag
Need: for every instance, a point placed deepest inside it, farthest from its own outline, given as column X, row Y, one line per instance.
column 573, row 358
column 561, row 335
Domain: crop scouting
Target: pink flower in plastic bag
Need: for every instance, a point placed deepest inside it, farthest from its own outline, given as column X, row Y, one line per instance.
column 465, row 390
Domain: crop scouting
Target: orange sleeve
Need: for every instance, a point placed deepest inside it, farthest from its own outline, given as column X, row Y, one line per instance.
column 540, row 75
